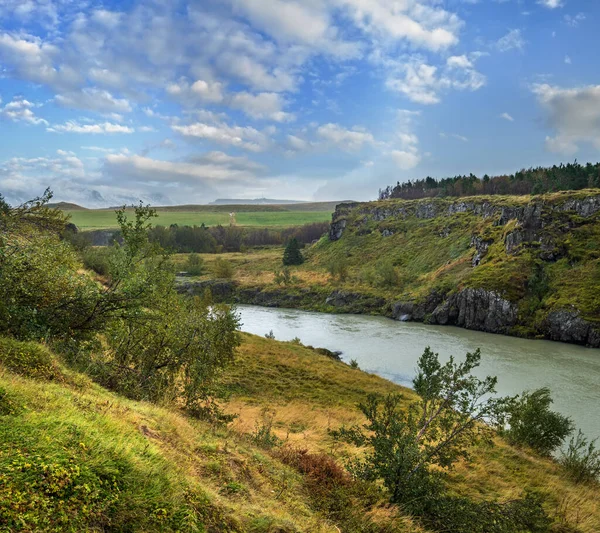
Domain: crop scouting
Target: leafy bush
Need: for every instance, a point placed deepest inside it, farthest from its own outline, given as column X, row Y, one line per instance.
column 386, row 275
column 223, row 268
column 581, row 460
column 338, row 269
column 532, row 423
column 270, row 335
column 194, row 265
column 292, row 254
column 97, row 259
column 29, row 359
column 354, row 364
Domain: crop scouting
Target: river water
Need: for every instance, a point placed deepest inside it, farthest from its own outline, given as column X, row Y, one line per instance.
column 391, row 349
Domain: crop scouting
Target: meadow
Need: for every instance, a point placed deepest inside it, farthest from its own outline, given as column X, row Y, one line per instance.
column 246, row 216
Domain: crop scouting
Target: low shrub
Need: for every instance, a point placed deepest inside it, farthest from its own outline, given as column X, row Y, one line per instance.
column 284, row 277
column 194, row 265
column 581, row 460
column 29, row 359
column 338, row 269
column 533, row 424
column 223, row 269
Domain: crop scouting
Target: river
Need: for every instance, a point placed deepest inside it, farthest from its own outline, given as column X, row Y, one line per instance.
column 391, row 349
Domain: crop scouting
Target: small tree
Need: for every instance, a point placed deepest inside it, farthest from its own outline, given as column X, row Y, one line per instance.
column 533, row 424
column 292, row 254
column 223, row 268
column 402, row 444
column 194, row 265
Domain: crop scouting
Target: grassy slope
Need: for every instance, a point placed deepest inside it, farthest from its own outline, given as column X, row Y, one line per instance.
column 436, row 254
column 80, row 457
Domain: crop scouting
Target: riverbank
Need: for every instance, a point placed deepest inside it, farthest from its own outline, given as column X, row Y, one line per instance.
column 521, row 266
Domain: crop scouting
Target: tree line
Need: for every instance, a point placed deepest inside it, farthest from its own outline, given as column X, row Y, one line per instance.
column 538, row 180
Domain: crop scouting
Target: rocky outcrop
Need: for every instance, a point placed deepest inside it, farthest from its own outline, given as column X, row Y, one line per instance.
column 481, row 247
column 567, row 326
column 476, row 309
column 354, row 302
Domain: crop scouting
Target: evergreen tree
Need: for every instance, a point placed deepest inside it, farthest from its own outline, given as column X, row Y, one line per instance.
column 292, row 254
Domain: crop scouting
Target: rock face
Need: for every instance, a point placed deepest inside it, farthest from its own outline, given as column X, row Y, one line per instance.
column 477, row 309
column 470, row 308
column 221, row 290
column 567, row 326
column 481, row 246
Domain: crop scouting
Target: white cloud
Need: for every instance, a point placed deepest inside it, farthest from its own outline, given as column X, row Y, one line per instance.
column 261, row 106
column 405, row 159
column 419, row 23
column 574, row 114
column 348, row 140
column 72, row 126
column 199, row 91
column 20, row 110
column 567, row 60
column 423, row 83
column 246, row 137
column 513, row 40
column 94, row 99
column 574, row 20
column 551, row 4
column 208, row 169
column 508, row 117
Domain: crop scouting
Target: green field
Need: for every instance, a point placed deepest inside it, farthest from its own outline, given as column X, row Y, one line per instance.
column 103, row 218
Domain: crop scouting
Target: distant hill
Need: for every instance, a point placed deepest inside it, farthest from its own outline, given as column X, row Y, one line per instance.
column 256, row 201
column 67, row 206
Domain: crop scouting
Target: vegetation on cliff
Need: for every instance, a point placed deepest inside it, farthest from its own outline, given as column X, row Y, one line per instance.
column 539, row 180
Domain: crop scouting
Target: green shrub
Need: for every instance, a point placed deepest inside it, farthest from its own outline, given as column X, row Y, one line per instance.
column 386, row 275
column 194, row 265
column 338, row 269
column 292, row 254
column 8, row 406
column 97, row 259
column 29, row 359
column 223, row 268
column 354, row 364
column 533, row 424
column 581, row 460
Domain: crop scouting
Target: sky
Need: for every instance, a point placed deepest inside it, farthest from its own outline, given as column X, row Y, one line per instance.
column 186, row 101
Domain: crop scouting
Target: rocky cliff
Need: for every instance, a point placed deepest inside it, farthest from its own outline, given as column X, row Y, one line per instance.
column 513, row 265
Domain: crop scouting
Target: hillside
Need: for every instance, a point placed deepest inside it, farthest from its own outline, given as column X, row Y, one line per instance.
column 76, row 457
column 518, row 265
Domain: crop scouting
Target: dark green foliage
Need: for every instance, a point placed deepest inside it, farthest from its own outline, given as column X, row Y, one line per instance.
column 533, row 424
column 462, row 515
column 571, row 176
column 410, row 449
column 581, row 460
column 97, row 259
column 194, row 265
column 354, row 364
column 203, row 239
column 436, row 430
column 292, row 254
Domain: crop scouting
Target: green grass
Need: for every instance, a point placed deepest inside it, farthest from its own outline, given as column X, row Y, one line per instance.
column 106, row 219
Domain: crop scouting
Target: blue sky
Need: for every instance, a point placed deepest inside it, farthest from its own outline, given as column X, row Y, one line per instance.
column 187, row 101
